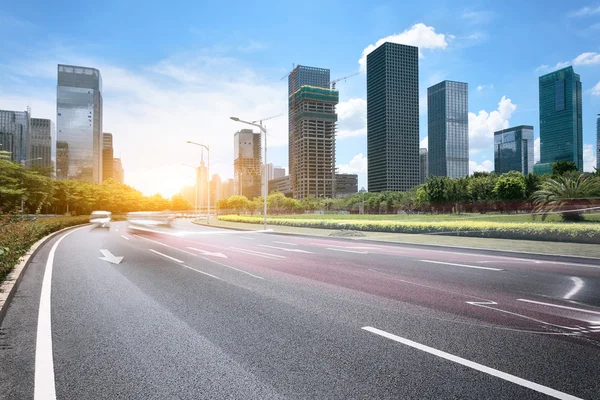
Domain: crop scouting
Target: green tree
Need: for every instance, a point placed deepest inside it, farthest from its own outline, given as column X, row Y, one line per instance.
column 563, row 167
column 566, row 194
column 178, row 203
column 276, row 202
column 222, row 204
column 533, row 183
column 238, row 203
column 481, row 190
column 510, row 188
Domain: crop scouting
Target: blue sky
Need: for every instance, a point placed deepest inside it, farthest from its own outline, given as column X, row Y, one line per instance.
column 176, row 71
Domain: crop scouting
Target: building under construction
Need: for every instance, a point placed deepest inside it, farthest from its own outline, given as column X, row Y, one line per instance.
column 312, row 141
column 247, row 163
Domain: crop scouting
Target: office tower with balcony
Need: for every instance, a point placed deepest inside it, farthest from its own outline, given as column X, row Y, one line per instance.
column 247, row 165
column 314, row 119
column 15, row 127
column 393, row 117
column 448, row 129
column 79, row 121
column 423, row 165
column 108, row 164
column 513, row 150
column 561, row 132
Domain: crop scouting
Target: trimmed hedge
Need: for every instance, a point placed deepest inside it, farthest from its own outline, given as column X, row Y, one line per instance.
column 17, row 236
column 557, row 232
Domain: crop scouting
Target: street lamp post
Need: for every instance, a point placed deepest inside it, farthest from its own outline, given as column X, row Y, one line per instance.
column 263, row 129
column 207, row 181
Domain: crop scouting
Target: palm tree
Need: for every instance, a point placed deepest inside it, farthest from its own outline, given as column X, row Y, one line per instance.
column 566, row 194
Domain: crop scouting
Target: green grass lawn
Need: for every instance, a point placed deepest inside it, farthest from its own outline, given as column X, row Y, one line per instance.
column 491, row 217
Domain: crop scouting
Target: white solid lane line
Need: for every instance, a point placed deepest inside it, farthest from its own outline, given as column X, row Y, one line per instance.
column 124, row 237
column 288, row 243
column 247, row 238
column 284, row 249
column 476, row 366
column 559, row 306
column 257, row 253
column 166, row 256
column 347, row 251
column 44, row 363
column 166, row 245
column 462, row 265
column 578, row 285
column 233, row 268
column 201, row 272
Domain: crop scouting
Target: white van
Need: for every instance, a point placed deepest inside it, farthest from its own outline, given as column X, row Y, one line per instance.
column 101, row 218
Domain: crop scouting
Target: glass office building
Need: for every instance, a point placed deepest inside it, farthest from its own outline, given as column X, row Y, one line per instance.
column 79, row 123
column 42, row 144
column 393, row 117
column 448, row 129
column 561, row 133
column 15, row 129
column 513, row 150
column 423, row 165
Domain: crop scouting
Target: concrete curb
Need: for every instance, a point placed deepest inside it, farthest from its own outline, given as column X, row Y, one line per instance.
column 10, row 284
column 506, row 253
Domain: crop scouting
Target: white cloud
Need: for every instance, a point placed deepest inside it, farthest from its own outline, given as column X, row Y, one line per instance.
column 420, row 35
column 545, row 68
column 486, row 166
column 596, row 89
column 424, row 143
column 536, row 150
column 358, row 165
column 481, row 88
column 483, row 125
column 477, row 17
column 589, row 157
column 352, row 116
column 585, row 11
column 589, row 58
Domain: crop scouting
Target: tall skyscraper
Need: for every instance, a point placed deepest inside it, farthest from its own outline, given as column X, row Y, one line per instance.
column 15, row 127
column 269, row 171
column 423, row 165
column 247, row 165
column 216, row 192
column 598, row 142
column 202, row 183
column 448, row 129
column 118, row 172
column 513, row 150
column 227, row 188
column 561, row 133
column 42, row 144
column 107, row 156
column 79, row 121
column 314, row 141
column 301, row 76
column 393, row 117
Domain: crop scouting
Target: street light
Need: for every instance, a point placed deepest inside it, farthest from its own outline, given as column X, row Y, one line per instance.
column 263, row 129
column 195, row 191
column 207, row 175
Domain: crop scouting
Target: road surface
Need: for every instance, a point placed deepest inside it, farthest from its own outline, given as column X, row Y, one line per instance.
column 203, row 313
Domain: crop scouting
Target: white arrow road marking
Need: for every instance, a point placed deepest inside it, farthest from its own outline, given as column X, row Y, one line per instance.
column 208, row 253
column 285, row 249
column 487, row 304
column 461, row 265
column 476, row 366
column 110, row 257
column 578, row 285
column 559, row 306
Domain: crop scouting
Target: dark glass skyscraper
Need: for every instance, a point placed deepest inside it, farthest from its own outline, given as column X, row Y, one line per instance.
column 15, row 129
column 448, row 129
column 79, row 123
column 513, row 150
column 301, row 76
column 561, row 133
column 393, row 117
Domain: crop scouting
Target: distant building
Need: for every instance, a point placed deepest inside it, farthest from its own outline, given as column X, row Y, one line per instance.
column 189, row 194
column 227, row 188
column 278, row 173
column 448, row 129
column 247, row 161
column 62, row 159
column 561, row 132
column 346, row 185
column 79, row 121
column 314, row 141
column 301, row 76
column 118, row 173
column 598, row 143
column 393, row 117
column 202, row 183
column 283, row 185
column 269, row 171
column 216, row 192
column 15, row 129
column 107, row 157
column 423, row 165
column 513, row 150
column 42, row 143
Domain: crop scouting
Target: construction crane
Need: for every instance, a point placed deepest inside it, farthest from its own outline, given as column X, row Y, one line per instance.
column 333, row 82
column 266, row 119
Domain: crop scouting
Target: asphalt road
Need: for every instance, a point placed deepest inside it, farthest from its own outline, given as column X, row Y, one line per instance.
column 203, row 313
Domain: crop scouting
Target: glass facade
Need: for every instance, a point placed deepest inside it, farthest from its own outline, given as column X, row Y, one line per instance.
column 79, row 123
column 107, row 156
column 561, row 133
column 513, row 150
column 42, row 143
column 423, row 165
column 393, row 117
column 448, row 129
column 302, row 76
column 14, row 132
